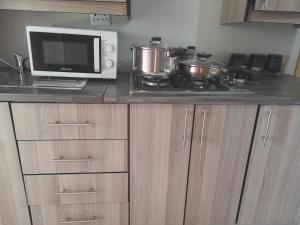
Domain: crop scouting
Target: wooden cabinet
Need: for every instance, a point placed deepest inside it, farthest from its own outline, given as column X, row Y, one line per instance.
column 95, row 214
column 160, row 137
column 273, row 11
column 116, row 7
column 271, row 194
column 278, row 5
column 13, row 206
column 69, row 121
column 220, row 147
column 76, row 189
column 73, row 156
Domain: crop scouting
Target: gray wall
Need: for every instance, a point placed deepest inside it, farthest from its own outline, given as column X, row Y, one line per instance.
column 188, row 22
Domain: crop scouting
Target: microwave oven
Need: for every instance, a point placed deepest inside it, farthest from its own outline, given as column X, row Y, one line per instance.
column 66, row 52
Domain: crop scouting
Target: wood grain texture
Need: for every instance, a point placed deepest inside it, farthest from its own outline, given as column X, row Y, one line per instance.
column 278, row 5
column 13, row 206
column 101, row 156
column 217, row 167
column 273, row 17
column 108, row 214
column 107, row 121
column 159, row 162
column 108, row 188
column 233, row 11
column 273, row 181
column 74, row 6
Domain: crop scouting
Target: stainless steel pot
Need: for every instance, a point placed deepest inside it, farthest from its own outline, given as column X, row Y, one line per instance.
column 175, row 55
column 151, row 59
column 199, row 67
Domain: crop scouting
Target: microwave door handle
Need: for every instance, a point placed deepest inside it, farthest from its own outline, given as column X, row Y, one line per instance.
column 97, row 55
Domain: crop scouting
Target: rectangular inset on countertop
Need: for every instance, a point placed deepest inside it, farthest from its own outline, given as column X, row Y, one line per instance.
column 69, row 121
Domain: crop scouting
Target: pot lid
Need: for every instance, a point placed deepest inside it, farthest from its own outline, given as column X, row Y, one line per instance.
column 155, row 43
column 201, row 60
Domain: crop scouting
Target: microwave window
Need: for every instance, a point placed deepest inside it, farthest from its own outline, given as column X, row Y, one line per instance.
column 65, row 53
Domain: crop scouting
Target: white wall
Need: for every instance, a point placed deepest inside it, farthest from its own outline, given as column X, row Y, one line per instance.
column 188, row 22
column 291, row 68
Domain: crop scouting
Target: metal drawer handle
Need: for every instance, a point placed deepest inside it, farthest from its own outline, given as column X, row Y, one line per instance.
column 267, row 127
column 266, row 3
column 58, row 124
column 64, row 192
column 70, row 221
column 185, row 124
column 203, row 127
column 61, row 159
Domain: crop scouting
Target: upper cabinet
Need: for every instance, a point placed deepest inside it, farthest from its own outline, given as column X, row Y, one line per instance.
column 271, row 194
column 273, row 11
column 278, row 5
column 115, row 7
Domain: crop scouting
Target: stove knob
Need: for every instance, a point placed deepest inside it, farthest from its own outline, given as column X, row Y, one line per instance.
column 109, row 48
column 108, row 63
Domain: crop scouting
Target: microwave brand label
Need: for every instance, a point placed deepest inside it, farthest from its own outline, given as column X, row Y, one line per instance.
column 66, row 69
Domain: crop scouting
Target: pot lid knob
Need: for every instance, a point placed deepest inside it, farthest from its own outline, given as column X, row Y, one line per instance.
column 156, row 39
column 191, row 48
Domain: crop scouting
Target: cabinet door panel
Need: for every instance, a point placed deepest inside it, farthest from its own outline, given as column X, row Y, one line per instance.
column 160, row 147
column 220, row 147
column 13, row 205
column 116, row 7
column 272, row 186
column 278, row 5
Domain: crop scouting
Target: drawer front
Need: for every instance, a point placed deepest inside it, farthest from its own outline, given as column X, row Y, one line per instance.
column 76, row 189
column 96, row 214
column 74, row 156
column 69, row 121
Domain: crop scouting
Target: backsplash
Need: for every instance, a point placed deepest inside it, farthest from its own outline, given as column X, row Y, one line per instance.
column 189, row 22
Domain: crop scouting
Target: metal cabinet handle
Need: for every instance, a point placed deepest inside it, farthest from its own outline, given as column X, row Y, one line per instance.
column 70, row 221
column 268, row 126
column 266, row 3
column 61, row 159
column 64, row 192
column 58, row 124
column 187, row 109
column 203, row 127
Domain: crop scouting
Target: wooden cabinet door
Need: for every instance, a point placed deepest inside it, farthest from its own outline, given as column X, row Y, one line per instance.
column 13, row 205
column 272, row 188
column 116, row 7
column 278, row 5
column 160, row 147
column 220, row 148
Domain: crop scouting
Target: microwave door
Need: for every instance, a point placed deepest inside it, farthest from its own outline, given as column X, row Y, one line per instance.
column 70, row 53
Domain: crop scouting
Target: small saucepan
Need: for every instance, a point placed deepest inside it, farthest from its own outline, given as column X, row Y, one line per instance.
column 200, row 67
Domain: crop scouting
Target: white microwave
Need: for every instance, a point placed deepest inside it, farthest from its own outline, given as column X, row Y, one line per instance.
column 66, row 52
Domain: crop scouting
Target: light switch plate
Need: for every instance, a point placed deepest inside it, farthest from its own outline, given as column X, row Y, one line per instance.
column 100, row 20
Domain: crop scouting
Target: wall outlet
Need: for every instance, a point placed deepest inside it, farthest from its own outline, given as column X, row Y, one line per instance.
column 100, row 20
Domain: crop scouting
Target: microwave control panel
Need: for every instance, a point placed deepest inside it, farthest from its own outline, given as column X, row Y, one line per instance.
column 109, row 53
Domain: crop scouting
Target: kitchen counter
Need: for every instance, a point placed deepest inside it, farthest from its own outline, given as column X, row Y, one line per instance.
column 92, row 93
column 279, row 90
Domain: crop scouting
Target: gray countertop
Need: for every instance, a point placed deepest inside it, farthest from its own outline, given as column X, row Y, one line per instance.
column 92, row 93
column 279, row 90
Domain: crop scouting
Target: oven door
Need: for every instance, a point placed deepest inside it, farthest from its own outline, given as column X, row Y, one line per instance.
column 66, row 53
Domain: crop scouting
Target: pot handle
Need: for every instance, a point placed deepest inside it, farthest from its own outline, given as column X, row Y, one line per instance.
column 133, row 49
